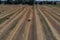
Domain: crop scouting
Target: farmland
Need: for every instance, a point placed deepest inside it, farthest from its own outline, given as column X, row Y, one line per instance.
column 27, row 22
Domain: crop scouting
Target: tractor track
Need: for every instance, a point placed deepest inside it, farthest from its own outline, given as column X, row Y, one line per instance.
column 38, row 22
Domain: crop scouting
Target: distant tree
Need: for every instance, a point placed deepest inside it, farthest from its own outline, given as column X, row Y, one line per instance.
column 0, row 1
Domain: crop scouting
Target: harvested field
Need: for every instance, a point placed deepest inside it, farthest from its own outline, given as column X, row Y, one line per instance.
column 27, row 22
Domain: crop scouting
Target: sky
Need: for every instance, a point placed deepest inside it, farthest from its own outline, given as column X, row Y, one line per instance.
column 3, row 0
column 6, row 0
column 48, row 0
column 38, row 0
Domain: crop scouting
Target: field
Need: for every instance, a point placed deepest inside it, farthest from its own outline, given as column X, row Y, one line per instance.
column 27, row 22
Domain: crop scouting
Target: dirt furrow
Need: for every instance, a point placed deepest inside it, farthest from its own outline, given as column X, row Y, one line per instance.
column 57, row 21
column 52, row 33
column 39, row 27
column 8, row 16
column 15, row 32
column 53, row 11
column 54, row 24
column 11, row 18
column 10, row 25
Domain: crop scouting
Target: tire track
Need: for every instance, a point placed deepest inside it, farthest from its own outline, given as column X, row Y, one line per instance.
column 39, row 27
column 11, row 18
column 53, row 33
column 15, row 32
column 48, row 33
column 8, row 16
column 24, row 30
column 52, row 14
column 33, row 30
column 56, row 21
column 55, row 25
column 7, row 27
column 53, row 11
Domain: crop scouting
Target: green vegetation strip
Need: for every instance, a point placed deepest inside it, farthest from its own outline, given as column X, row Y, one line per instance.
column 5, row 18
